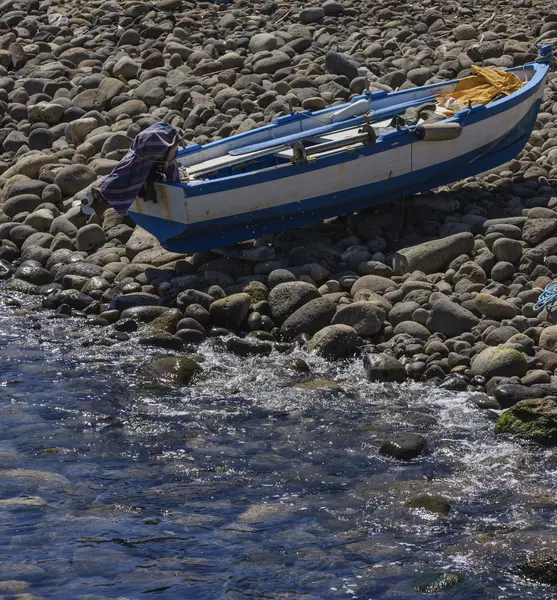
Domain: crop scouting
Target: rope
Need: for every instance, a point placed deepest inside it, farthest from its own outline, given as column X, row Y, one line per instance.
column 548, row 298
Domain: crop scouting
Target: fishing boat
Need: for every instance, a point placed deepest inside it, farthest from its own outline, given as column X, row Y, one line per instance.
column 309, row 166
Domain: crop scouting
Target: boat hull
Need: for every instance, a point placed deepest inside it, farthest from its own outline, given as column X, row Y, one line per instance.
column 218, row 213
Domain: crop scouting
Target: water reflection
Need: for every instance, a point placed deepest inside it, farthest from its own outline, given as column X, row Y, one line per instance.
column 258, row 481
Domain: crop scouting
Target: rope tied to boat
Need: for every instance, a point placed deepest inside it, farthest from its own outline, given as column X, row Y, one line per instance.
column 548, row 298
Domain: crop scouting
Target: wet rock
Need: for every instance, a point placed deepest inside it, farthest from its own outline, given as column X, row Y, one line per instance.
column 145, row 314
column 430, row 502
column 449, row 318
column 434, row 256
column 509, row 394
column 230, row 312
column 384, row 368
column 165, row 323
column 249, row 346
column 334, row 341
column 534, row 419
column 121, row 303
column 499, row 361
column 541, row 568
column 161, row 340
column 175, row 369
column 403, row 446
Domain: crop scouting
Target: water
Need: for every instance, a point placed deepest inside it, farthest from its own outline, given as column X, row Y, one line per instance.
column 246, row 486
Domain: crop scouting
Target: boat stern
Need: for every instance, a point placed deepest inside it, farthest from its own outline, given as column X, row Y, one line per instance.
column 165, row 216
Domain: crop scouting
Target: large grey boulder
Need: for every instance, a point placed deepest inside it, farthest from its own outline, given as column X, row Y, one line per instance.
column 286, row 298
column 384, row 368
column 449, row 318
column 365, row 317
column 309, row 318
column 433, row 256
column 334, row 341
column 500, row 361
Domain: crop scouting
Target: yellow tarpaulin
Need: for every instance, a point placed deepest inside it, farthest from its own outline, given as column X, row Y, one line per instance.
column 482, row 88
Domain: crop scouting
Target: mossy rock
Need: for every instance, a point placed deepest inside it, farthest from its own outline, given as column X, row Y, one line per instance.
column 539, row 568
column 434, row 583
column 175, row 369
column 533, row 419
column 430, row 502
column 165, row 323
column 257, row 291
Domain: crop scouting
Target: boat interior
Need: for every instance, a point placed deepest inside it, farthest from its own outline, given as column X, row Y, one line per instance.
column 304, row 136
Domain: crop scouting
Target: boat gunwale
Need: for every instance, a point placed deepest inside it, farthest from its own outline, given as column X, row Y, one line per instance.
column 384, row 142
column 191, row 151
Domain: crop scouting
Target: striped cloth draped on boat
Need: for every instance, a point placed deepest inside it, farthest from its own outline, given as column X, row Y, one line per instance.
column 150, row 147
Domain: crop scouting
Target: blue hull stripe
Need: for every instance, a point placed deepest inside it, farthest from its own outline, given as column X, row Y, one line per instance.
column 223, row 232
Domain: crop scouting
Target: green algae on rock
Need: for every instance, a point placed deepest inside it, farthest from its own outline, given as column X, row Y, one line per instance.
column 430, row 502
column 534, row 419
column 176, row 369
column 540, row 568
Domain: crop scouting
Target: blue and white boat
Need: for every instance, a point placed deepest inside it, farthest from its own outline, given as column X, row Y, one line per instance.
column 309, row 166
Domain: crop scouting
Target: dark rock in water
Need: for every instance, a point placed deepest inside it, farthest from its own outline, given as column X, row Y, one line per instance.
column 175, row 369
column 403, row 446
column 509, row 394
column 161, row 340
column 121, row 303
column 384, row 368
column 64, row 309
column 5, row 269
column 455, row 383
column 79, row 301
column 434, row 583
column 309, row 318
column 146, row 314
column 126, row 325
column 249, row 346
column 334, row 342
column 430, row 502
column 541, row 568
column 190, row 336
column 533, row 419
column 298, row 364
column 484, row 402
column 33, row 273
column 231, row 311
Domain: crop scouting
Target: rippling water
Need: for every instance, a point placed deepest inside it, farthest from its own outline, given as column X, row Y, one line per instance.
column 246, row 486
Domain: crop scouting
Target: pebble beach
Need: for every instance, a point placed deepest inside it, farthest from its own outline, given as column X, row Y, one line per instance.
column 349, row 324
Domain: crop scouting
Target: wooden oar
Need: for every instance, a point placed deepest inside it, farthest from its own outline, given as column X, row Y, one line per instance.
column 290, row 139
